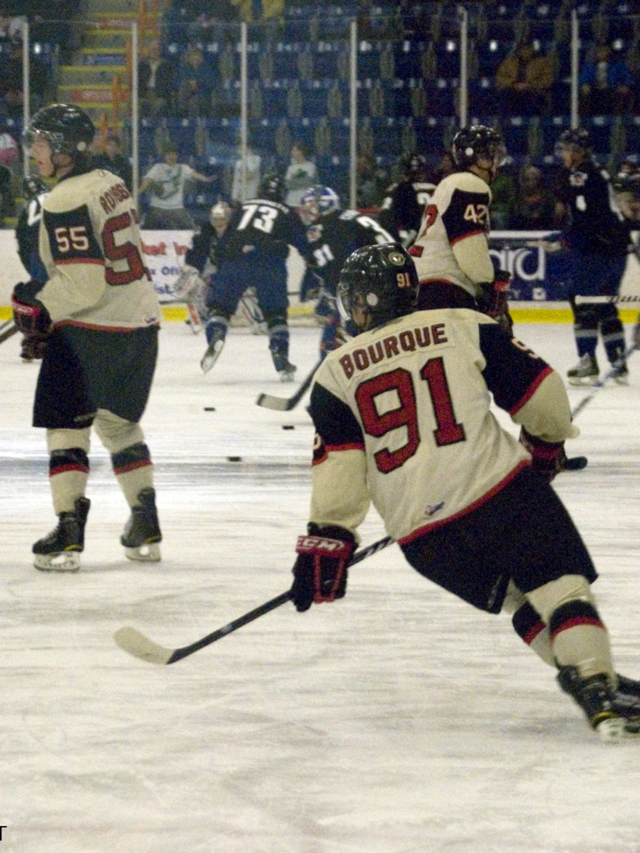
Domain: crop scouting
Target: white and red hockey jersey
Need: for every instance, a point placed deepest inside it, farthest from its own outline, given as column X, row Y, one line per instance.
column 91, row 247
column 403, row 419
column 452, row 242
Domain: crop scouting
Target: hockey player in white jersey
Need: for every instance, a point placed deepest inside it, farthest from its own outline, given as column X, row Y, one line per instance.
column 403, row 421
column 94, row 322
column 451, row 247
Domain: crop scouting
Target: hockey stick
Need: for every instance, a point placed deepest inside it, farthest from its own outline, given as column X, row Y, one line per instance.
column 282, row 404
column 136, row 644
column 9, row 333
column 603, row 300
column 615, row 370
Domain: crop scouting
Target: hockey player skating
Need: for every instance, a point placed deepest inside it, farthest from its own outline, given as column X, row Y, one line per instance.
column 597, row 238
column 403, row 205
column 94, row 322
column 334, row 235
column 253, row 254
column 403, row 421
column 452, row 247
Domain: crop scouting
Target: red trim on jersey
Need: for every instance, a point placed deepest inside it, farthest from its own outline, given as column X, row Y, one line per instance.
column 577, row 622
column 464, row 236
column 427, row 528
column 124, row 469
column 531, row 390
column 64, row 469
column 98, row 328
column 533, row 632
column 336, row 448
column 62, row 261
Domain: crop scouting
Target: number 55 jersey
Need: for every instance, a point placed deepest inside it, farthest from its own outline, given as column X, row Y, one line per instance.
column 452, row 242
column 91, row 248
column 403, row 419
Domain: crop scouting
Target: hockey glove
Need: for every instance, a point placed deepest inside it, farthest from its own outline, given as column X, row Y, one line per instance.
column 548, row 456
column 494, row 299
column 31, row 318
column 320, row 572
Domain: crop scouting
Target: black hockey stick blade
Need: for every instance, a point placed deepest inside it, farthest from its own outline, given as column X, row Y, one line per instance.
column 576, row 463
column 9, row 333
column 135, row 643
column 282, row 404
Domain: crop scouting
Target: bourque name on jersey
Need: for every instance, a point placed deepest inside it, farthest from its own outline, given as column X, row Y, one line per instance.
column 392, row 346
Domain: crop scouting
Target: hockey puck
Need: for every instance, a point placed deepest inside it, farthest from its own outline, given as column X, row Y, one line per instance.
column 577, row 463
column 234, row 458
column 288, row 426
column 209, row 409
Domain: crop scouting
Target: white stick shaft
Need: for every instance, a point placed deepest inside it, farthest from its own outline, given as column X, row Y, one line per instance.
column 603, row 300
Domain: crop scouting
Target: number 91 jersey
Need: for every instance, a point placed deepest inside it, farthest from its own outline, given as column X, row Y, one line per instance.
column 91, row 247
column 459, row 209
column 403, row 418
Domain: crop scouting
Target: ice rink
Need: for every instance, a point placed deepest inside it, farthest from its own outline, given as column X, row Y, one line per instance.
column 398, row 720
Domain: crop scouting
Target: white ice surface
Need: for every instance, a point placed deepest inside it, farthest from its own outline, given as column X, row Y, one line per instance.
column 399, row 720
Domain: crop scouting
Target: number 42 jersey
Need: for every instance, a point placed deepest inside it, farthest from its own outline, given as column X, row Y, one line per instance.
column 452, row 242
column 91, row 247
column 403, row 419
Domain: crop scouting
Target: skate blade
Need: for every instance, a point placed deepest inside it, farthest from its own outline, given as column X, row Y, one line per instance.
column 67, row 561
column 582, row 381
column 621, row 380
column 211, row 356
column 147, row 553
column 286, row 375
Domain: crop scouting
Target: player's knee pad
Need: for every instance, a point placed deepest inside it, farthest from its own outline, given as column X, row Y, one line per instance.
column 65, row 439
column 131, row 458
column 586, row 317
column 116, row 433
column 553, row 596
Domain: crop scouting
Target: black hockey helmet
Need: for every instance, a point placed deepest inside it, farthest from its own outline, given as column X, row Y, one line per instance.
column 476, row 141
column 67, row 129
column 413, row 167
column 272, row 187
column 380, row 281
column 575, row 139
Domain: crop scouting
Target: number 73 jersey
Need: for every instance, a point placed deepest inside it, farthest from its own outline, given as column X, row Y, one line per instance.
column 91, row 248
column 403, row 419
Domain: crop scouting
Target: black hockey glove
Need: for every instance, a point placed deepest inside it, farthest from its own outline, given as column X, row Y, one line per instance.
column 31, row 318
column 548, row 456
column 320, row 572
column 494, row 299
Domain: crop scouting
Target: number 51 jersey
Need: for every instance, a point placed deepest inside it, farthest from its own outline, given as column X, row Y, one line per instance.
column 403, row 418
column 91, row 247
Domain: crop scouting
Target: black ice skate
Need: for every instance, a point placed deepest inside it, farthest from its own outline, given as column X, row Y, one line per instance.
column 59, row 551
column 142, row 532
column 607, row 712
column 286, row 370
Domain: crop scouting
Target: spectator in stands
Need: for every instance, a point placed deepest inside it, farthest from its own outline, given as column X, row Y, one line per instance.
column 194, row 99
column 252, row 182
column 444, row 167
column 606, row 84
column 11, row 25
column 156, row 81
column 114, row 161
column 56, row 23
column 503, row 200
column 165, row 183
column 12, row 80
column 524, row 80
column 301, row 174
column 535, row 202
column 371, row 182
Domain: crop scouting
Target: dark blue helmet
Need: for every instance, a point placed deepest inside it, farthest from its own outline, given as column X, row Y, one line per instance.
column 67, row 129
